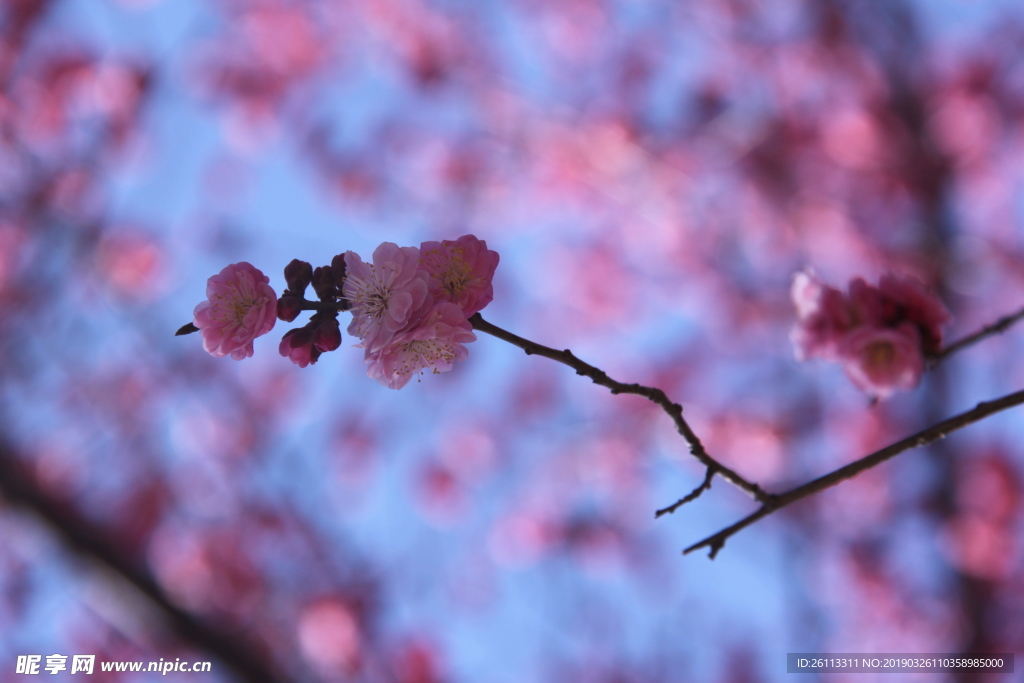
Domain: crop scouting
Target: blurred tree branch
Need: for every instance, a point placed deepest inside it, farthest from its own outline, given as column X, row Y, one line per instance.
column 18, row 488
column 998, row 327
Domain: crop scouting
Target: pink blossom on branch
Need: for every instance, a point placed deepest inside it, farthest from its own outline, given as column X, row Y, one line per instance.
column 240, row 306
column 460, row 271
column 881, row 360
column 386, row 296
column 881, row 334
column 913, row 302
column 435, row 343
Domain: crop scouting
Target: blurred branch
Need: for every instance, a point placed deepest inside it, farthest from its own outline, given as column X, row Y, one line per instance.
column 934, row 433
column 18, row 488
column 998, row 327
column 674, row 410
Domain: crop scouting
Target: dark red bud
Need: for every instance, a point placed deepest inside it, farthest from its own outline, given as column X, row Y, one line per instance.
column 299, row 337
column 338, row 268
column 323, row 283
column 298, row 275
column 327, row 336
column 288, row 308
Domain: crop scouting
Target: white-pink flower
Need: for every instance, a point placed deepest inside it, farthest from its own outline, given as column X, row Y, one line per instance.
column 460, row 271
column 435, row 343
column 240, row 306
column 387, row 296
column 824, row 316
column 881, row 360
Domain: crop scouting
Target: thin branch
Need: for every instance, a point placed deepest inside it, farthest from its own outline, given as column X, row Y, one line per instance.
column 691, row 496
column 674, row 410
column 938, row 431
column 998, row 327
column 18, row 488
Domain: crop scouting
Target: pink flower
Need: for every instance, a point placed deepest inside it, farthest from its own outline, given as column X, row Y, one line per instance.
column 913, row 302
column 460, row 271
column 297, row 346
column 881, row 334
column 387, row 296
column 881, row 360
column 435, row 343
column 240, row 306
column 824, row 316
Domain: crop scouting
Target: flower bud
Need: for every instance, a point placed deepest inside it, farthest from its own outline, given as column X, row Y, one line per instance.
column 338, row 268
column 288, row 308
column 323, row 283
column 327, row 336
column 298, row 275
column 297, row 346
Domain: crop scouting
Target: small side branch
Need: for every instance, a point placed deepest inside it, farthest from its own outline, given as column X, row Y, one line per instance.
column 598, row 376
column 938, row 431
column 691, row 496
column 998, row 327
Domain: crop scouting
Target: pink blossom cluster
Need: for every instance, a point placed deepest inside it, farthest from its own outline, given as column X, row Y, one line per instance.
column 411, row 306
column 882, row 335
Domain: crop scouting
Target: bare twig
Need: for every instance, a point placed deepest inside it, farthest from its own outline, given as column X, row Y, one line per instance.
column 692, row 495
column 19, row 488
column 998, row 327
column 674, row 410
column 715, row 542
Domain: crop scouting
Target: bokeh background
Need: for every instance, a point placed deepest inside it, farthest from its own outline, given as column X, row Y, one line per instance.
column 652, row 173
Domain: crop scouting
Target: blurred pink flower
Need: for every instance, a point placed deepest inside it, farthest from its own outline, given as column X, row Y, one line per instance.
column 387, row 296
column 880, row 360
column 913, row 302
column 436, row 342
column 881, row 334
column 824, row 315
column 460, row 271
column 240, row 306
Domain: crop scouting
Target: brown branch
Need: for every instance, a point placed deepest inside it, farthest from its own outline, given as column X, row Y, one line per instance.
column 692, row 495
column 18, row 488
column 938, row 431
column 998, row 327
column 674, row 410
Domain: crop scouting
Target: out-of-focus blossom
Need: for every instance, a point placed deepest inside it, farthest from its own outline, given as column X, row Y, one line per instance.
column 881, row 334
column 881, row 360
column 330, row 636
column 131, row 265
column 240, row 306
column 906, row 298
column 460, row 271
column 387, row 295
column 823, row 317
column 435, row 343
